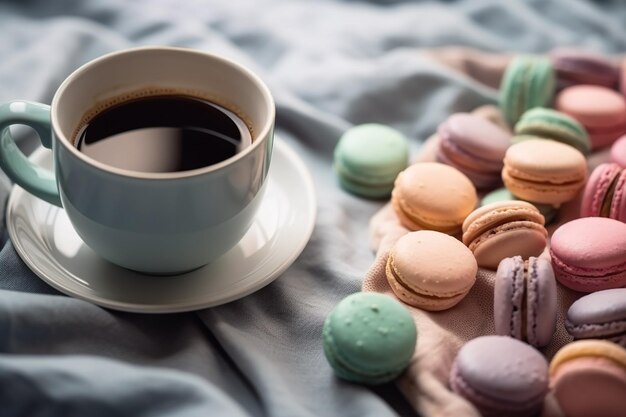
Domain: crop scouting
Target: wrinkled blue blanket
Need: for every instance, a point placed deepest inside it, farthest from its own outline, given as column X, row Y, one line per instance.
column 330, row 64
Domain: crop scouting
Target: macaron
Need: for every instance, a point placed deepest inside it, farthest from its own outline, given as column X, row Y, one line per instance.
column 502, row 230
column 600, row 110
column 493, row 114
column 501, row 376
column 525, row 300
column 475, row 146
column 550, row 124
column 369, row 338
column 368, row 158
column 548, row 211
column 599, row 315
column 544, row 171
column 528, row 82
column 588, row 378
column 589, row 254
column 618, row 152
column 430, row 270
column 575, row 66
column 605, row 193
column 433, row 196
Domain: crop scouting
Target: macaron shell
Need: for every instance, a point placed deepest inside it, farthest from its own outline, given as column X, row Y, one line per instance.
column 373, row 150
column 480, row 143
column 415, row 299
column 597, row 189
column 486, row 217
column 618, row 204
column 541, row 301
column 508, row 297
column 494, row 115
column 434, row 196
column 588, row 348
column 593, row 106
column 370, row 337
column 547, row 161
column 545, row 123
column 368, row 158
column 593, row 244
column 583, row 67
column 603, row 137
column 618, row 152
column 527, row 82
column 430, row 270
column 504, row 368
column 544, row 171
column 517, row 238
column 592, row 386
column 362, row 188
column 480, row 179
column 490, row 406
column 598, row 315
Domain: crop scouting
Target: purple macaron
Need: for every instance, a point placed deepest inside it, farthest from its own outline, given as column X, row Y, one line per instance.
column 525, row 300
column 599, row 315
column 475, row 146
column 501, row 376
column 574, row 67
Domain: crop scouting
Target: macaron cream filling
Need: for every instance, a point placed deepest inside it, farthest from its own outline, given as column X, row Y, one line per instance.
column 491, row 222
column 419, row 221
column 460, row 156
column 422, row 292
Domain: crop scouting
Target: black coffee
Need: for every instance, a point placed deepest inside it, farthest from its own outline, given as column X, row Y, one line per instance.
column 163, row 134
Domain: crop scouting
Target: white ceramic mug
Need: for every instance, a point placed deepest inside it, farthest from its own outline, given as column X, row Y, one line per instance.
column 158, row 223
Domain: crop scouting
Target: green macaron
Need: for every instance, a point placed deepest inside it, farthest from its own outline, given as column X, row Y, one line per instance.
column 369, row 338
column 368, row 158
column 551, row 124
column 528, row 82
column 548, row 211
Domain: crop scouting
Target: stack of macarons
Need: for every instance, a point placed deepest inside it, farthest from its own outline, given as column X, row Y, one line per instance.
column 500, row 175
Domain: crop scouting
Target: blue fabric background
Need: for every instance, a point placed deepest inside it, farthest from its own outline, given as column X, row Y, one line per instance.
column 330, row 64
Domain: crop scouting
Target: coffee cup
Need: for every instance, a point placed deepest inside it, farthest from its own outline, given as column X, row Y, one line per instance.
column 155, row 221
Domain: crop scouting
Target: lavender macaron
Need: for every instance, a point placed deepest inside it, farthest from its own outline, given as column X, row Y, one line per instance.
column 501, row 376
column 475, row 146
column 525, row 300
column 599, row 315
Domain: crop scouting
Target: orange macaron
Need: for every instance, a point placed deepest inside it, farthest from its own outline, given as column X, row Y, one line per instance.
column 544, row 171
column 433, row 196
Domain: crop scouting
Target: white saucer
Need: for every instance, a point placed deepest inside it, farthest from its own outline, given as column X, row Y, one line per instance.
column 46, row 241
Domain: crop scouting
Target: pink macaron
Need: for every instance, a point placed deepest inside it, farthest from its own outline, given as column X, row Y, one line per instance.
column 605, row 193
column 589, row 254
column 588, row 379
column 600, row 110
column 475, row 146
column 618, row 152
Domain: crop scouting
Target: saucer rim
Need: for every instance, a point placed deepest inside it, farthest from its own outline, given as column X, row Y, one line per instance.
column 164, row 308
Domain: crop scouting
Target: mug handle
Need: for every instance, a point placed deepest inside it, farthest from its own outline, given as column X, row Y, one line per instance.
column 36, row 180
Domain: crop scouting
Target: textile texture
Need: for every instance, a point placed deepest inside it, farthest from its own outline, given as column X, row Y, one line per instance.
column 330, row 64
